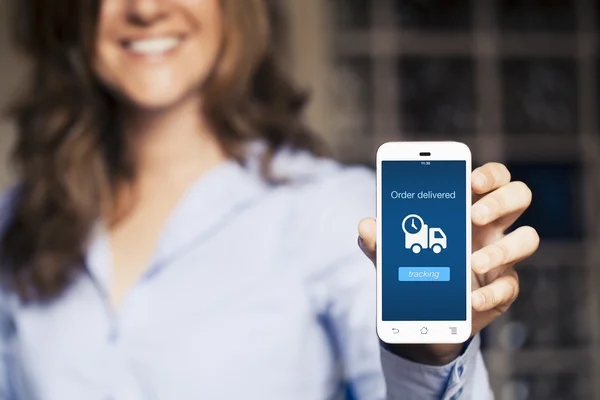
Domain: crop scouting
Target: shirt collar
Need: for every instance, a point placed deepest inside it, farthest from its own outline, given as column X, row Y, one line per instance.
column 206, row 204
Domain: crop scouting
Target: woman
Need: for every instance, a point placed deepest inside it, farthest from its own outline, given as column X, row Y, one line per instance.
column 177, row 234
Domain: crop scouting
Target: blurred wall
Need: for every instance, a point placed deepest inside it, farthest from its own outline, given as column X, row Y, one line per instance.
column 9, row 72
column 518, row 81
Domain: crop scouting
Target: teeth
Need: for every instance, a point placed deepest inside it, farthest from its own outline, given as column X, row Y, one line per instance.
column 154, row 45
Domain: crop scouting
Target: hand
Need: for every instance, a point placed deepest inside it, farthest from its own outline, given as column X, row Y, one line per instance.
column 498, row 203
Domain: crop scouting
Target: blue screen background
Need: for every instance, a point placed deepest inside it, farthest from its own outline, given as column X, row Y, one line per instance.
column 423, row 301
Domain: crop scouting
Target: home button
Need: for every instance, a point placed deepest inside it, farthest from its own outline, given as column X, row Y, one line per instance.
column 424, row 330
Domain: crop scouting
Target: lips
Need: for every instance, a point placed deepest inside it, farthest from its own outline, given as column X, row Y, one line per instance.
column 153, row 46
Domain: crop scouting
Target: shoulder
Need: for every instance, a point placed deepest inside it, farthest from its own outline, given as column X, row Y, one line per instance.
column 341, row 194
column 335, row 203
column 327, row 199
column 323, row 184
column 303, row 170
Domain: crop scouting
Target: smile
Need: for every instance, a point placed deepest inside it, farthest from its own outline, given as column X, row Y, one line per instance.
column 153, row 46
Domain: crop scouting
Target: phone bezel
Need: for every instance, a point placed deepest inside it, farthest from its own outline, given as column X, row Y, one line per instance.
column 396, row 332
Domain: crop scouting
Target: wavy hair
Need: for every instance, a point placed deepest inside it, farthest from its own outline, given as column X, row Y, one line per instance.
column 70, row 153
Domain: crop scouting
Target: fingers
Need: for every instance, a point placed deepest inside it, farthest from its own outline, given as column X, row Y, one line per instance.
column 510, row 198
column 489, row 177
column 498, row 295
column 367, row 230
column 517, row 245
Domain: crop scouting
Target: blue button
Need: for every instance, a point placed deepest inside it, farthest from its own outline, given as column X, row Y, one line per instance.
column 423, row 274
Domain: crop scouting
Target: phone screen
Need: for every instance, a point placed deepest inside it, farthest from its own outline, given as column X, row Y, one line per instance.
column 424, row 240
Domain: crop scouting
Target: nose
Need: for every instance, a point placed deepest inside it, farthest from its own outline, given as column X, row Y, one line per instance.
column 145, row 12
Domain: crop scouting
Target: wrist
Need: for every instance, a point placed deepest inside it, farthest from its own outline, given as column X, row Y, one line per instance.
column 428, row 354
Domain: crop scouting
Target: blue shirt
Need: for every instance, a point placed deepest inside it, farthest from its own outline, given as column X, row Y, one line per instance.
column 254, row 292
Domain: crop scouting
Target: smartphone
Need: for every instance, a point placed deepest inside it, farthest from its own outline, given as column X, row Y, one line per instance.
column 424, row 242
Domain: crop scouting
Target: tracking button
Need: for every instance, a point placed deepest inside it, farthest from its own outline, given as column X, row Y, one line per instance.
column 423, row 274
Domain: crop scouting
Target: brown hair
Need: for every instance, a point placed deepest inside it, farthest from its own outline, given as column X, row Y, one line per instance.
column 70, row 153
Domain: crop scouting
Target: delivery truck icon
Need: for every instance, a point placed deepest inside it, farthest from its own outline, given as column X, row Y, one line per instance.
column 419, row 236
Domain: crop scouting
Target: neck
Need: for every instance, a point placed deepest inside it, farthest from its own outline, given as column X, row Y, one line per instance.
column 174, row 143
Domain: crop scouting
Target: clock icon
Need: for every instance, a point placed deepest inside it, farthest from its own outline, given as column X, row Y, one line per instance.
column 412, row 224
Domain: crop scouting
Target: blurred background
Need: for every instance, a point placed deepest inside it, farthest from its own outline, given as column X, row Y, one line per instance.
column 518, row 81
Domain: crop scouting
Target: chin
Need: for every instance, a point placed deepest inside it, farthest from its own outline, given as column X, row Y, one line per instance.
column 155, row 100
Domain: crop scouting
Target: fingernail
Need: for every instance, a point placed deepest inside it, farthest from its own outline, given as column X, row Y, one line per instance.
column 480, row 212
column 480, row 261
column 479, row 180
column 478, row 300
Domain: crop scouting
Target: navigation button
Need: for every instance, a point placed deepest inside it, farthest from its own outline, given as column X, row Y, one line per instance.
column 395, row 330
column 424, row 330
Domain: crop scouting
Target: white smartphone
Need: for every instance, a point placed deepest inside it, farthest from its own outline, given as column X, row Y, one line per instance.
column 424, row 242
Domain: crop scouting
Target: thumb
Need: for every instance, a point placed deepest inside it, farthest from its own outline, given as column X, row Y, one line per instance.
column 367, row 240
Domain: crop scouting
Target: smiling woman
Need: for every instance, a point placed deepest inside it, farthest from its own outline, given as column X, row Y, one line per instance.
column 147, row 57
column 97, row 70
